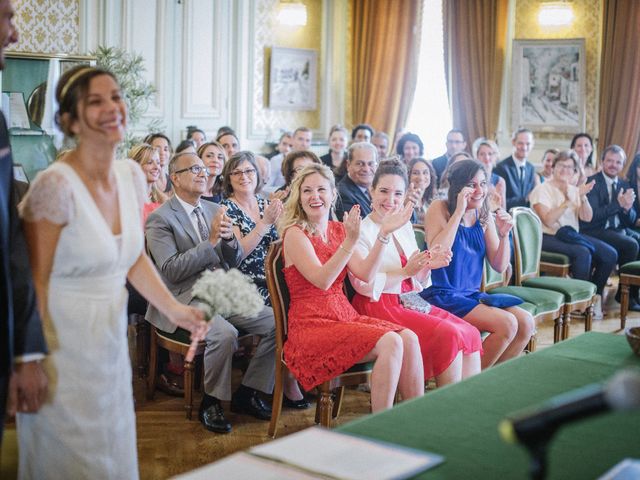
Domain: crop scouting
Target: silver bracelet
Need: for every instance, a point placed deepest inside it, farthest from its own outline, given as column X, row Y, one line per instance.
column 348, row 251
column 382, row 239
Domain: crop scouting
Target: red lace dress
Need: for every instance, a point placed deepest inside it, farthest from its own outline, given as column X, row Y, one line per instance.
column 326, row 335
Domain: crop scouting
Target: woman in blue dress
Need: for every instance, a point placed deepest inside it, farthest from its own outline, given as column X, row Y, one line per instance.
column 463, row 223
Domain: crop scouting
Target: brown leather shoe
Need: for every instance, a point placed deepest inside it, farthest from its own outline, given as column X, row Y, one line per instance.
column 170, row 387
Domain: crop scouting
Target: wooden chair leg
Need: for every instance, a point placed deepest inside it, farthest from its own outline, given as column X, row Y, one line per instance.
column 188, row 389
column 566, row 325
column 531, row 346
column 337, row 402
column 326, row 406
column 276, row 405
column 142, row 346
column 557, row 328
column 588, row 319
column 624, row 304
column 153, row 365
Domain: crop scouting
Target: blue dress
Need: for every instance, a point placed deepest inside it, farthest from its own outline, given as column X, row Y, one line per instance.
column 456, row 287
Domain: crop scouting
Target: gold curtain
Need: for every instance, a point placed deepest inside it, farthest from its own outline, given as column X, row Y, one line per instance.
column 475, row 36
column 619, row 76
column 385, row 48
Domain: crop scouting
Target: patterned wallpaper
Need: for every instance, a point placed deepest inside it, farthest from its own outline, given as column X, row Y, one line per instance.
column 587, row 24
column 266, row 32
column 47, row 26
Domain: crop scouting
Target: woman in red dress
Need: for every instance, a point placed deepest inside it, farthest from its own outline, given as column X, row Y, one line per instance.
column 450, row 346
column 326, row 335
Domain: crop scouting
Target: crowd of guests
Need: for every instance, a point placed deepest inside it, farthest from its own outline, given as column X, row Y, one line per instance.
column 344, row 217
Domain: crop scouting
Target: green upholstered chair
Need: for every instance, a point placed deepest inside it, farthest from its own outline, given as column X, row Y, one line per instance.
column 629, row 276
column 326, row 408
column 543, row 305
column 421, row 240
column 579, row 295
column 555, row 264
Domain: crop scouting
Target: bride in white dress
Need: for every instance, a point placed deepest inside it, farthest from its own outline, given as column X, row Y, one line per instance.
column 83, row 222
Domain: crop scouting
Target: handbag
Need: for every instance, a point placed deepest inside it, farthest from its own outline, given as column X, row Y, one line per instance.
column 413, row 301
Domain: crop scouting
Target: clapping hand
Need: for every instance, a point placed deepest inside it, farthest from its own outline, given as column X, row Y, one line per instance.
column 494, row 201
column 586, row 188
column 626, row 198
column 416, row 262
column 351, row 222
column 504, row 223
column 191, row 319
column 279, row 195
column 272, row 212
column 221, row 227
column 440, row 257
column 393, row 221
column 414, row 194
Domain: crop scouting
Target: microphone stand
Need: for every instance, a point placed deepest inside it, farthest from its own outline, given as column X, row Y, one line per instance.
column 538, row 447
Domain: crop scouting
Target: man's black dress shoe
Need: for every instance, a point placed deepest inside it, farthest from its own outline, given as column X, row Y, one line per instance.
column 251, row 404
column 301, row 404
column 212, row 417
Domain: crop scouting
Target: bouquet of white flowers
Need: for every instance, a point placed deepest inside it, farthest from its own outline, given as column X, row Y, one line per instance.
column 225, row 293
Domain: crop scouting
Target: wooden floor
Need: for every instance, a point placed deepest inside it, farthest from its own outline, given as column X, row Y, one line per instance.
column 168, row 444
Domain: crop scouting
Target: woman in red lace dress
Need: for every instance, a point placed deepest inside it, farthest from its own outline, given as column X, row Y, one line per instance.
column 326, row 335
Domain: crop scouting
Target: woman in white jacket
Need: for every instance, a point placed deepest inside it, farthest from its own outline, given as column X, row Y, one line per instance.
column 451, row 347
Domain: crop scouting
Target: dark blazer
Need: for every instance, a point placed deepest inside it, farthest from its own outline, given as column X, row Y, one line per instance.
column 20, row 326
column 349, row 194
column 439, row 164
column 180, row 256
column 517, row 192
column 603, row 209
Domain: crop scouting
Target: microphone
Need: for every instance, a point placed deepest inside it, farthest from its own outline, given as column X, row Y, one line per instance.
column 532, row 426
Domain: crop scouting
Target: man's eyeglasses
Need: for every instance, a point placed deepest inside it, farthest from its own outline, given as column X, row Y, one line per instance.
column 195, row 169
column 249, row 172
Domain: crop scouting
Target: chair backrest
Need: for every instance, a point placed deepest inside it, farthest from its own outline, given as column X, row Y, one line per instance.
column 527, row 243
column 490, row 277
column 421, row 240
column 278, row 291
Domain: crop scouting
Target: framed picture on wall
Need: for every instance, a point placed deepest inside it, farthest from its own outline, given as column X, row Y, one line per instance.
column 292, row 79
column 548, row 85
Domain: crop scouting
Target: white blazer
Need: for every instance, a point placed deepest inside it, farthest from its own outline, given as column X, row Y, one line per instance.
column 384, row 280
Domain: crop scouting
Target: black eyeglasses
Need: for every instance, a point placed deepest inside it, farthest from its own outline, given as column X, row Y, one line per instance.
column 249, row 172
column 195, row 169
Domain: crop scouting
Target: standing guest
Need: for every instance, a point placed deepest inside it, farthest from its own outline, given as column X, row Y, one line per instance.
column 197, row 136
column 388, row 261
column 381, row 141
column 612, row 200
column 362, row 133
column 302, row 137
column 23, row 384
column 423, row 176
column 560, row 205
column 326, row 336
column 519, row 175
column 633, row 177
column 486, row 152
column 285, row 144
column 229, row 141
column 582, row 144
column 252, row 216
column 163, row 144
column 464, row 224
column 186, row 146
column 455, row 143
column 148, row 158
column 353, row 189
column 547, row 164
column 337, row 155
column 409, row 147
column 214, row 158
column 293, row 164
column 83, row 225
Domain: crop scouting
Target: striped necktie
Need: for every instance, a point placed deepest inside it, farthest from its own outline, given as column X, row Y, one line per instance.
column 202, row 226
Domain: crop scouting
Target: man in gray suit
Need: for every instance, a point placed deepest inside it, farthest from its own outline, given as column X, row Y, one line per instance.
column 185, row 237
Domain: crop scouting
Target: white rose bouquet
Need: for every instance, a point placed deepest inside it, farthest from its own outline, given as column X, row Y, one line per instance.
column 225, row 293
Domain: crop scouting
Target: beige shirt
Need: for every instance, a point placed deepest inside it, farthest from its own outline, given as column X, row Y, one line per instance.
column 551, row 197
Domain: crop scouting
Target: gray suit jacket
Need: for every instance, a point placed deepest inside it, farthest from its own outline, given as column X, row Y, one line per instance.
column 180, row 256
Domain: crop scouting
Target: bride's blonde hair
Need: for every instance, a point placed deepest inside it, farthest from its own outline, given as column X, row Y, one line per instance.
column 293, row 213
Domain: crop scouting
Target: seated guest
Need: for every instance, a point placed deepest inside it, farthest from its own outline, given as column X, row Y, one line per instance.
column 381, row 141
column 285, row 144
column 443, row 185
column 362, row 133
column 547, row 164
column 264, row 169
column 186, row 146
column 388, row 261
column 353, row 189
column 185, row 237
column 633, row 178
column 409, row 147
column 229, row 141
column 560, row 205
column 519, row 175
column 486, row 152
column 464, row 224
column 163, row 144
column 582, row 144
column 335, row 159
column 423, row 177
column 326, row 336
column 197, row 136
column 301, row 141
column 214, row 157
column 252, row 216
column 612, row 201
column 148, row 158
column 455, row 143
column 293, row 164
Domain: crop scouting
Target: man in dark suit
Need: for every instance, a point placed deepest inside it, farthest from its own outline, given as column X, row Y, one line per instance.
column 353, row 189
column 22, row 344
column 185, row 237
column 519, row 174
column 612, row 200
column 455, row 144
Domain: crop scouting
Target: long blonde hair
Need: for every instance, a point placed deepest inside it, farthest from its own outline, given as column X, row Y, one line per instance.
column 142, row 153
column 293, row 213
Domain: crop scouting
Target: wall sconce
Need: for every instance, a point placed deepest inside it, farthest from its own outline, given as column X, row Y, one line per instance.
column 293, row 14
column 555, row 14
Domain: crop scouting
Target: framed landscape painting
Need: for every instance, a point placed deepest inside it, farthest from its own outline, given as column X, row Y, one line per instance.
column 292, row 79
column 548, row 85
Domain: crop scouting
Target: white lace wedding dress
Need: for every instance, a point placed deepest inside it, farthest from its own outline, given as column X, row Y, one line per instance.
column 86, row 429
